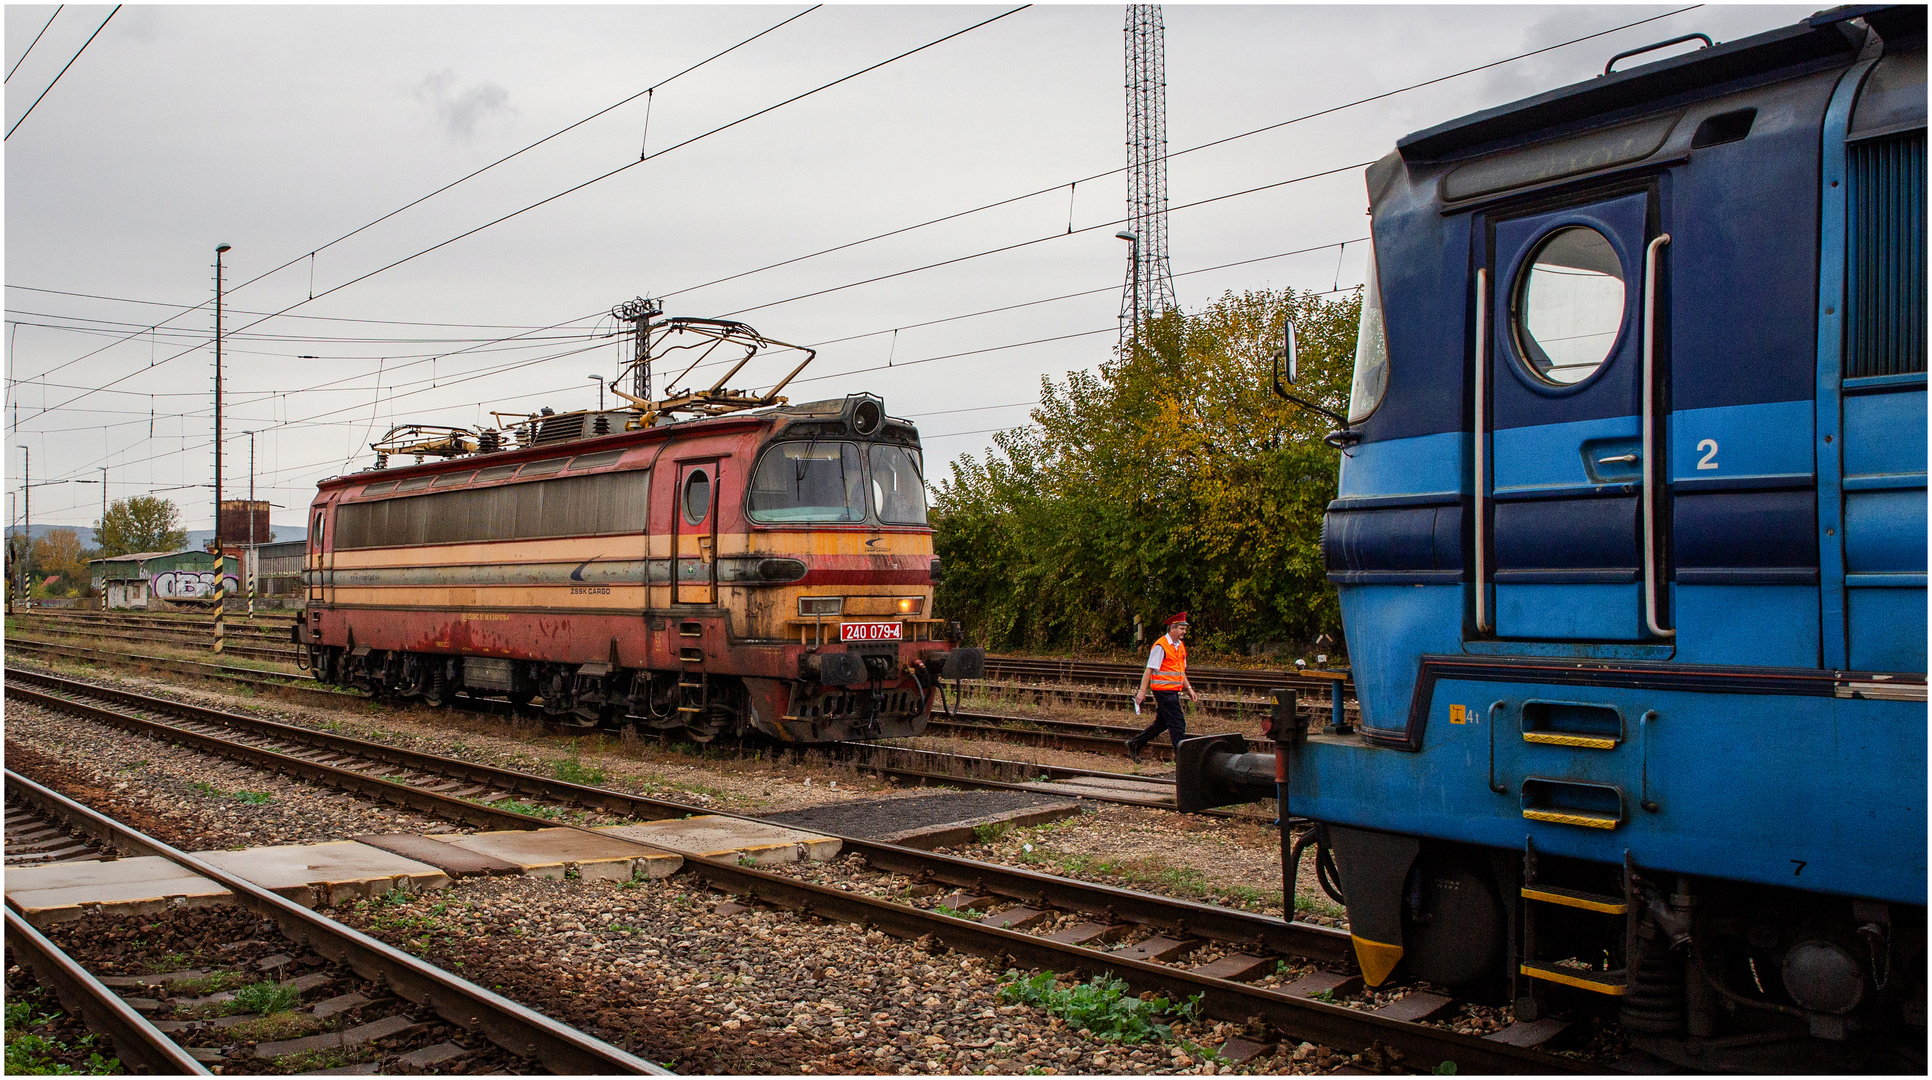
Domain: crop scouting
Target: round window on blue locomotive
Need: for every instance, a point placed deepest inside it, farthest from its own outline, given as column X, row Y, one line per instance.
column 697, row 497
column 1569, row 306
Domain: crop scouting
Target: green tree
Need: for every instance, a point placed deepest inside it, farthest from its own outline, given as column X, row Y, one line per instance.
column 1174, row 478
column 59, row 554
column 141, row 523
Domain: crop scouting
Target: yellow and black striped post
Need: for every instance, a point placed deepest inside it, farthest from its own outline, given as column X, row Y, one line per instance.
column 221, row 599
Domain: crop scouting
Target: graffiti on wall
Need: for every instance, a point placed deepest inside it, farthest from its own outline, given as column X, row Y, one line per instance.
column 187, row 583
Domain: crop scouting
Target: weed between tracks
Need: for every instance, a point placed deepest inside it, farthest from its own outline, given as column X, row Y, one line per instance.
column 1102, row 1008
column 33, row 1050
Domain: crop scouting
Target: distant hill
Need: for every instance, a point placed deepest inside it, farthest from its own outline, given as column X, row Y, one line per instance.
column 196, row 537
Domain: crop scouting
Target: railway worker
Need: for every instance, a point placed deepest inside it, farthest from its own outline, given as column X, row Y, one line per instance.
column 1166, row 676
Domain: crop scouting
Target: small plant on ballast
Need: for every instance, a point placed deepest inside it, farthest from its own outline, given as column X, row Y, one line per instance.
column 265, row 998
column 1103, row 1006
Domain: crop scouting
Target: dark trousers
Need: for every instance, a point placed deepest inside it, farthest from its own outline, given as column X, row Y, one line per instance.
column 1167, row 716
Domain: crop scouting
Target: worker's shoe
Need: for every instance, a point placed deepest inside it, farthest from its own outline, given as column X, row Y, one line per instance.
column 1133, row 750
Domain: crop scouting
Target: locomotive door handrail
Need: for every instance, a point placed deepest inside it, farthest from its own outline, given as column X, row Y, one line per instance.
column 1481, row 481
column 1649, row 463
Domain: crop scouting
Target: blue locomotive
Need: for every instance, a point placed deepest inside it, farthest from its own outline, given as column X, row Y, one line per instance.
column 1631, row 550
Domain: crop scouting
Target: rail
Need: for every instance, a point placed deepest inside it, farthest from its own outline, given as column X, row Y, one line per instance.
column 516, row 1028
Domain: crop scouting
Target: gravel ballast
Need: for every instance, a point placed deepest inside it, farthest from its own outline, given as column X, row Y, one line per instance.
column 231, row 947
column 662, row 970
column 188, row 798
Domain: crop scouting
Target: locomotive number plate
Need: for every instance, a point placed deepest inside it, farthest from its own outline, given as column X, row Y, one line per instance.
column 871, row 631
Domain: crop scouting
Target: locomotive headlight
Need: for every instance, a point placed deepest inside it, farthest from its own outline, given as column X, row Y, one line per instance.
column 912, row 605
column 820, row 605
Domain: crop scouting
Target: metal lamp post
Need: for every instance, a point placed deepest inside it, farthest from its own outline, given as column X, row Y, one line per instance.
column 600, row 392
column 1134, row 239
column 221, row 581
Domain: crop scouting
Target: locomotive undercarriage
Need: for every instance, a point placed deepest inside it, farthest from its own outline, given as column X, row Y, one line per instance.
column 691, row 706
column 1696, row 970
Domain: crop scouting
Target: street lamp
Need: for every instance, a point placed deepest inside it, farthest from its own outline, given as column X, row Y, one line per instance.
column 600, row 392
column 1134, row 239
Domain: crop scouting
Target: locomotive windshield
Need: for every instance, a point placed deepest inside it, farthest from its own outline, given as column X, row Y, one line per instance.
column 809, row 481
column 826, row 481
column 898, row 493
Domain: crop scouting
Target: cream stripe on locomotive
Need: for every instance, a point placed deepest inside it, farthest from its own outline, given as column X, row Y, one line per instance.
column 732, row 570
column 633, row 546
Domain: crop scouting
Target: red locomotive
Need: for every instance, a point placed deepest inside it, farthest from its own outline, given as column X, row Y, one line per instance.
column 756, row 567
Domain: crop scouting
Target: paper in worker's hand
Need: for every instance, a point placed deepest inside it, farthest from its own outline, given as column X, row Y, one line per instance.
column 1136, row 706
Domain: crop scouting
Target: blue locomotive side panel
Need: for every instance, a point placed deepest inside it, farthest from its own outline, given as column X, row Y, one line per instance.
column 1810, row 792
column 1630, row 537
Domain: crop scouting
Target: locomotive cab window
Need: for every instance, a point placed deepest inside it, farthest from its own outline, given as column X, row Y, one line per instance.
column 898, row 491
column 697, row 497
column 1569, row 306
column 810, row 481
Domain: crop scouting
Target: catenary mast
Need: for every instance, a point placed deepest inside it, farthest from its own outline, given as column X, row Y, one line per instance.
column 1149, row 289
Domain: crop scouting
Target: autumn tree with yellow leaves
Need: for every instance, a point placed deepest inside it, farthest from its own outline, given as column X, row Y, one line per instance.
column 1174, row 478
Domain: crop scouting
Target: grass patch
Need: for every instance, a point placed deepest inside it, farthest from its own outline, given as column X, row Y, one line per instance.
column 313, row 1061
column 165, row 964
column 264, row 997
column 571, row 770
column 212, row 983
column 29, row 1053
column 1103, row 1006
column 253, row 798
column 1319, row 906
column 991, row 831
column 206, row 789
column 516, row 807
column 274, row 1027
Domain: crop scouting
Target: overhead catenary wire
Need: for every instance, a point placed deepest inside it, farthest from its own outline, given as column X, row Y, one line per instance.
column 310, row 256
column 1048, row 238
column 514, row 365
column 63, row 71
column 316, row 422
column 35, row 41
column 1217, row 142
column 609, row 174
column 1600, row 33
column 1070, row 184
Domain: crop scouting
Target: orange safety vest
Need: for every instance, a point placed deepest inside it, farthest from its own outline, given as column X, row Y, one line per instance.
column 1173, row 669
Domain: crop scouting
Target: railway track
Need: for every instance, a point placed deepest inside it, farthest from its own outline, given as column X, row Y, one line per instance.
column 37, row 838
column 917, row 766
column 1164, row 932
column 520, row 1030
column 231, row 644
column 1072, row 735
column 234, row 625
column 1010, row 678
column 299, row 681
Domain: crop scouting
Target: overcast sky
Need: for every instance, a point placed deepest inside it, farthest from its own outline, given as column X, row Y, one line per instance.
column 280, row 129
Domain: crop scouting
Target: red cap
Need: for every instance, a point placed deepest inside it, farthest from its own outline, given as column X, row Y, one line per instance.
column 1177, row 617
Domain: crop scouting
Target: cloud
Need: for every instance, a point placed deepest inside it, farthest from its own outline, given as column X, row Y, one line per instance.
column 461, row 112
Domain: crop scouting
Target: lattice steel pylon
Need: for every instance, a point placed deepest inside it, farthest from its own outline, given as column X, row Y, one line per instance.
column 1149, row 289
